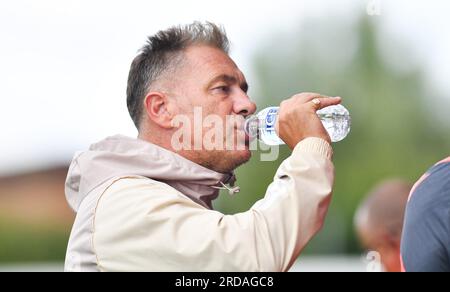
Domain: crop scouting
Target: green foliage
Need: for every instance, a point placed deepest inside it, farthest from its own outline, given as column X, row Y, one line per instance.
column 20, row 242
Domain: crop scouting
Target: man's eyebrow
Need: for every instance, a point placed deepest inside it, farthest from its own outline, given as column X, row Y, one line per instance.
column 228, row 79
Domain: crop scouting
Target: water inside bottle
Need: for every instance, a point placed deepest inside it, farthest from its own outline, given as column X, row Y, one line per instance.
column 336, row 120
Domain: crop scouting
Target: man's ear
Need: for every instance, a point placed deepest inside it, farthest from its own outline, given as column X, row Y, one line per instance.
column 158, row 110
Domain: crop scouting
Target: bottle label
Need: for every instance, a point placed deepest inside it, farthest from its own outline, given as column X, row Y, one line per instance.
column 270, row 118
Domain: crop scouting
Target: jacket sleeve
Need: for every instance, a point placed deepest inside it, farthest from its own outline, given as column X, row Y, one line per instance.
column 143, row 225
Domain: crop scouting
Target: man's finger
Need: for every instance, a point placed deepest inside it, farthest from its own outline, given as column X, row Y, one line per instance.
column 308, row 96
column 320, row 103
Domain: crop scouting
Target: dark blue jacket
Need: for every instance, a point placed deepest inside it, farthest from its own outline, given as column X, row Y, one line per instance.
column 426, row 232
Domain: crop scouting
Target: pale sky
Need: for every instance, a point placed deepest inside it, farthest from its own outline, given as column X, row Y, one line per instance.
column 64, row 63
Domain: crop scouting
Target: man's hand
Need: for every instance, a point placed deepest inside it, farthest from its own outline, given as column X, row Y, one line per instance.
column 297, row 118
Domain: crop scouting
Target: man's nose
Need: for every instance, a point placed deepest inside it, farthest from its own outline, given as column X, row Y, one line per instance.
column 244, row 106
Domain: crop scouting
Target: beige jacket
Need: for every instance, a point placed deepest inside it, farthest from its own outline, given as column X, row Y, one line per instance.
column 143, row 208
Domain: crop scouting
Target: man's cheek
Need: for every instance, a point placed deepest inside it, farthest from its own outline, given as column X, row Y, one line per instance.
column 213, row 133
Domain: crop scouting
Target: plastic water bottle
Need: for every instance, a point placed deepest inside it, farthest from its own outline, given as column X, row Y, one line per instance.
column 336, row 120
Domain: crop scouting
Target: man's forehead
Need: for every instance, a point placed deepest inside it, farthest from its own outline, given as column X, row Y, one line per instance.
column 230, row 77
column 213, row 62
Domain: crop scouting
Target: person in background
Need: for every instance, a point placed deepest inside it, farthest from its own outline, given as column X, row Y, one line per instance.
column 379, row 221
column 426, row 233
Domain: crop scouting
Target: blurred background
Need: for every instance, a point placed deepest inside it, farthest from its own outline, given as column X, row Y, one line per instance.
column 63, row 72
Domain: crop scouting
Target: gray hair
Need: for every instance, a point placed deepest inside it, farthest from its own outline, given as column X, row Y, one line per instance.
column 162, row 53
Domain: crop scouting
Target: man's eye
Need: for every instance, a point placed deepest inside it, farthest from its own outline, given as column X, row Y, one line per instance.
column 222, row 89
